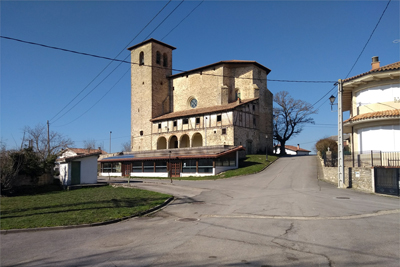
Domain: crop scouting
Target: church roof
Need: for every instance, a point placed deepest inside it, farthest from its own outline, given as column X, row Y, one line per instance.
column 151, row 40
column 229, row 62
column 201, row 111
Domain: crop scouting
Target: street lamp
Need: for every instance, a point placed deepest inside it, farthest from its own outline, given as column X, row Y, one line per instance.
column 169, row 166
column 266, row 147
column 332, row 99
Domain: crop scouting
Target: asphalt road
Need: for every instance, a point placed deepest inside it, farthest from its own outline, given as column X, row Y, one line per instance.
column 282, row 216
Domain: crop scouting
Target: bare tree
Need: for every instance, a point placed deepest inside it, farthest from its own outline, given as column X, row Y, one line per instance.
column 289, row 117
column 89, row 144
column 126, row 147
column 37, row 137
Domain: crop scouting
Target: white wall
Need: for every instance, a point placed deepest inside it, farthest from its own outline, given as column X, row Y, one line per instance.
column 65, row 173
column 380, row 138
column 380, row 94
column 289, row 152
column 88, row 170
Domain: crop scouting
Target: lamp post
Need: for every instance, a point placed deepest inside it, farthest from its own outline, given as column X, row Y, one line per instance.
column 169, row 166
column 340, row 132
column 266, row 147
column 110, row 141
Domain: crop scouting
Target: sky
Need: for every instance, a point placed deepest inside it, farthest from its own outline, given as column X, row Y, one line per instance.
column 84, row 97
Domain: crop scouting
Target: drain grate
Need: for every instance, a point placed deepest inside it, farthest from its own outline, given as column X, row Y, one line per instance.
column 188, row 219
column 342, row 197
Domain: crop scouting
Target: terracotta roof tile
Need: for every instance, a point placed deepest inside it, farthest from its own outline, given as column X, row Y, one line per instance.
column 393, row 66
column 84, row 151
column 375, row 115
column 199, row 111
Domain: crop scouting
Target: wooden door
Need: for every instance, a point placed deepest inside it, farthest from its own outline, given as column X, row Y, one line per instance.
column 175, row 169
column 126, row 168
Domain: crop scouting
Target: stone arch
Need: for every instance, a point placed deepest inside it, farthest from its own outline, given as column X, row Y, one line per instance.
column 184, row 141
column 161, row 143
column 173, row 142
column 197, row 140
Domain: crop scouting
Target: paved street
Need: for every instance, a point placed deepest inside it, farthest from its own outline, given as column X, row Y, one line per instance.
column 282, row 216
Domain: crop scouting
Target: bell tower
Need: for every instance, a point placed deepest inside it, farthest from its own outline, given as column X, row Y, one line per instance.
column 151, row 90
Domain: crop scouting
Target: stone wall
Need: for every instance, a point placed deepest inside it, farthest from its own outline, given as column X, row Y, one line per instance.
column 357, row 178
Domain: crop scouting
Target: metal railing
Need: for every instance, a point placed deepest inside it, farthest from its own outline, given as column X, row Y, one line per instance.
column 371, row 158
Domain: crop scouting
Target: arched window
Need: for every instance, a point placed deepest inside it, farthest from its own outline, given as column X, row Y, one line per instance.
column 165, row 60
column 141, row 58
column 158, row 57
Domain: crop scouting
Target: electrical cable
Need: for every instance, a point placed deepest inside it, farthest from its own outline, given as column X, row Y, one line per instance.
column 362, row 51
column 132, row 63
column 111, row 61
column 182, row 20
column 164, row 20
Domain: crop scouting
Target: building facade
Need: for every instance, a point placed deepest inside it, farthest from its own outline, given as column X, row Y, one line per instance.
column 224, row 103
column 373, row 99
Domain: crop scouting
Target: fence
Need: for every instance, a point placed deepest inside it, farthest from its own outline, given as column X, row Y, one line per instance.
column 370, row 158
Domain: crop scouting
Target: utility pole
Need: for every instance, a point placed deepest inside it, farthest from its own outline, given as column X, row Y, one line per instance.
column 48, row 138
column 110, row 141
column 340, row 136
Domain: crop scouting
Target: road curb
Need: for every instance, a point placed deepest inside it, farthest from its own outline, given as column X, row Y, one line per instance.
column 156, row 208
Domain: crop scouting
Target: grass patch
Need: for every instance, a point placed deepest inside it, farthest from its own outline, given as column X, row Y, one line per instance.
column 81, row 206
column 252, row 164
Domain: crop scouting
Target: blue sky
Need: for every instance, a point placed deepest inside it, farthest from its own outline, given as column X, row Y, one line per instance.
column 297, row 40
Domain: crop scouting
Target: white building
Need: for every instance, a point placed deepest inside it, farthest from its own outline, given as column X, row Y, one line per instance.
column 373, row 99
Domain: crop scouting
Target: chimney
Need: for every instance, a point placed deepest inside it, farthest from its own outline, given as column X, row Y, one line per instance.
column 375, row 63
column 298, row 146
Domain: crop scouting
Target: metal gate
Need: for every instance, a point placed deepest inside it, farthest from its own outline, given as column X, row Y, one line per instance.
column 387, row 181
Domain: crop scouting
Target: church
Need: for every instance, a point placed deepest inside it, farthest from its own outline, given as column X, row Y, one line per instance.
column 211, row 112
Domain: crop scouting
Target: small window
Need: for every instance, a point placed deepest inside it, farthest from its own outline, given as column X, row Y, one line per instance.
column 254, row 107
column 141, row 132
column 159, row 126
column 165, row 60
column 197, row 120
column 158, row 57
column 175, row 123
column 185, row 121
column 223, row 130
column 141, row 58
column 254, row 122
column 219, row 117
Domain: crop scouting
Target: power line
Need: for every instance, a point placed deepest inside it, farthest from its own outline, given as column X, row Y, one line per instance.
column 376, row 26
column 182, row 20
column 133, row 63
column 164, row 20
column 114, row 59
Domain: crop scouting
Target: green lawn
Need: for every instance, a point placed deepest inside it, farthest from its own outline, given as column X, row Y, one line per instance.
column 81, row 206
column 252, row 164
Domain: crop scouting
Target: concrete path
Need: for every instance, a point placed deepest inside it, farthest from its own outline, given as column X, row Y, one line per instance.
column 282, row 216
